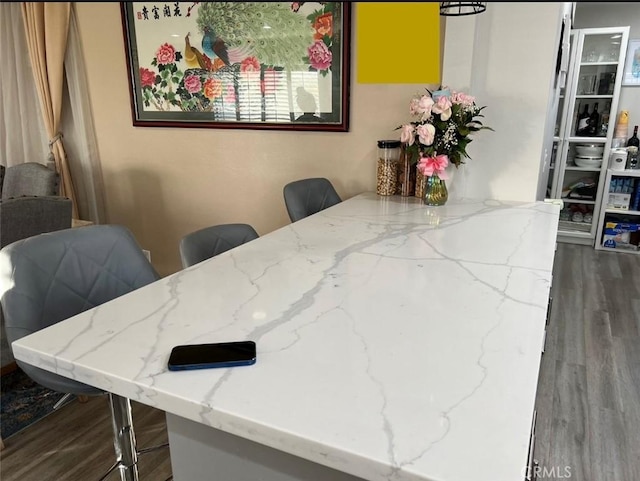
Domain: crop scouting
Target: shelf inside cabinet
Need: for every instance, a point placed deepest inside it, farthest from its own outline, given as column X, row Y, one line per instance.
column 568, row 200
column 594, row 96
column 588, row 140
column 625, row 173
column 577, row 229
column 622, row 211
column 583, row 169
column 614, row 62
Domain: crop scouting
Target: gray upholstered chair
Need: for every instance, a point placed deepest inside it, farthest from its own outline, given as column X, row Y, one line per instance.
column 26, row 216
column 30, row 178
column 50, row 277
column 308, row 196
column 211, row 241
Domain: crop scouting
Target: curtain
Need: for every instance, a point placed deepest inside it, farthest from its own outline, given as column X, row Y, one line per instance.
column 46, row 25
column 79, row 132
column 23, row 137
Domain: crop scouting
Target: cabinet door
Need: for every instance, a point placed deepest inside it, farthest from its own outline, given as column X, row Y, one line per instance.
column 587, row 126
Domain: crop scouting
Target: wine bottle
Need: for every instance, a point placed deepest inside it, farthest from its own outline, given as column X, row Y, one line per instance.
column 594, row 121
column 633, row 140
column 583, row 121
column 604, row 121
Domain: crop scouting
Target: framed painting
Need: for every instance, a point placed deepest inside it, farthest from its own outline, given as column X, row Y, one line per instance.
column 632, row 64
column 253, row 65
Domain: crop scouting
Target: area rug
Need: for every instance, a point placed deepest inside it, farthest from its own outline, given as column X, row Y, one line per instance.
column 23, row 402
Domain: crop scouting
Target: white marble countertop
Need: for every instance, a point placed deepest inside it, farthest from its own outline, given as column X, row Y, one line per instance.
column 395, row 340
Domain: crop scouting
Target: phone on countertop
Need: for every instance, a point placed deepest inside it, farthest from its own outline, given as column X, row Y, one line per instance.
column 207, row 356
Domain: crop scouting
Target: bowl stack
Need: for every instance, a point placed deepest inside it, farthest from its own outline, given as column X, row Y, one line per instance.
column 589, row 155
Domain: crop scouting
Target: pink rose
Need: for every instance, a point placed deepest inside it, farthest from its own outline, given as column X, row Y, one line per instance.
column 462, row 99
column 425, row 105
column 166, row 54
column 413, row 106
column 443, row 107
column 407, row 134
column 147, row 77
column 320, row 56
column 426, row 133
column 192, row 84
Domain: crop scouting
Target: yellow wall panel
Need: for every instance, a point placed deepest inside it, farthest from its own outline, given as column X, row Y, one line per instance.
column 398, row 42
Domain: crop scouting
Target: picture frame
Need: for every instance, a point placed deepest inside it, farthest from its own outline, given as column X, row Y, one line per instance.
column 240, row 65
column 631, row 75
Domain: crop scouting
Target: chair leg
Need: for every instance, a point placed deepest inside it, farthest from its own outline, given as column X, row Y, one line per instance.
column 63, row 400
column 124, row 440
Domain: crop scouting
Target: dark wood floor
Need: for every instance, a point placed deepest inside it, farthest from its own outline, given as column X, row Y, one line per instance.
column 588, row 396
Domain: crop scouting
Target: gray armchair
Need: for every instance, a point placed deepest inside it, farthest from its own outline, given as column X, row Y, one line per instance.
column 48, row 278
column 26, row 216
column 30, row 178
column 308, row 196
column 211, row 241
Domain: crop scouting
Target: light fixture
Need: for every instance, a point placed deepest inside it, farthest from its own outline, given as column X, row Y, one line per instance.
column 459, row 9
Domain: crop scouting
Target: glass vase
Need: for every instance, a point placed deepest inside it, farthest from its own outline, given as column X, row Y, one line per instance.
column 435, row 191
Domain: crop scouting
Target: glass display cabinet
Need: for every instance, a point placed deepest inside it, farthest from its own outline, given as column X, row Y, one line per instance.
column 585, row 121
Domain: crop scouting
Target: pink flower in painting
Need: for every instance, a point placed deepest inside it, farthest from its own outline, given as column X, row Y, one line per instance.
column 212, row 88
column 320, row 56
column 407, row 134
column 192, row 84
column 147, row 77
column 250, row 64
column 166, row 54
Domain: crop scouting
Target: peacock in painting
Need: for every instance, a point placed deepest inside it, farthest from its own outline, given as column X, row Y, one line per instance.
column 272, row 32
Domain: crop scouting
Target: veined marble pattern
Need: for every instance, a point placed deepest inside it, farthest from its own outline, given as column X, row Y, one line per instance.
column 395, row 341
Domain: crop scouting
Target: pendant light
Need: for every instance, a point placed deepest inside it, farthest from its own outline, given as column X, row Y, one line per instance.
column 459, row 9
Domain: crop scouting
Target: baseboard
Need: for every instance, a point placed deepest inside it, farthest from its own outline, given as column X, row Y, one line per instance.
column 12, row 366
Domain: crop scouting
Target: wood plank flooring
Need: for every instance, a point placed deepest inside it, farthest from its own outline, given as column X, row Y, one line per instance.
column 75, row 443
column 588, row 401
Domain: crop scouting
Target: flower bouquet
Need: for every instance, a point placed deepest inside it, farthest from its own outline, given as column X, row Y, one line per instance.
column 445, row 120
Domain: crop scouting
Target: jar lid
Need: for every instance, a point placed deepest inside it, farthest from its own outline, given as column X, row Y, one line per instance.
column 389, row 144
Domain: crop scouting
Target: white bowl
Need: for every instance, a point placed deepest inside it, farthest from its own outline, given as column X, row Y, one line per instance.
column 587, row 162
column 589, row 150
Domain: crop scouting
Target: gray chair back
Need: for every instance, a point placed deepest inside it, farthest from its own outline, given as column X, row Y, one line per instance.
column 30, row 178
column 307, row 196
column 50, row 277
column 22, row 217
column 211, row 241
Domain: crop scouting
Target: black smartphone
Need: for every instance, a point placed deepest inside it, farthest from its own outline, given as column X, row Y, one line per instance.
column 206, row 356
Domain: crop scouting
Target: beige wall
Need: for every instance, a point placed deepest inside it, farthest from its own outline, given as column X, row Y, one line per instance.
column 165, row 182
column 506, row 58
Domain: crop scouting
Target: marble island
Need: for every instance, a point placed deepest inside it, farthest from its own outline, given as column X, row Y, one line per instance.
column 395, row 341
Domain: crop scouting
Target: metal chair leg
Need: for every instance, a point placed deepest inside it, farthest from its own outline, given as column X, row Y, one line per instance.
column 62, row 401
column 124, row 440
